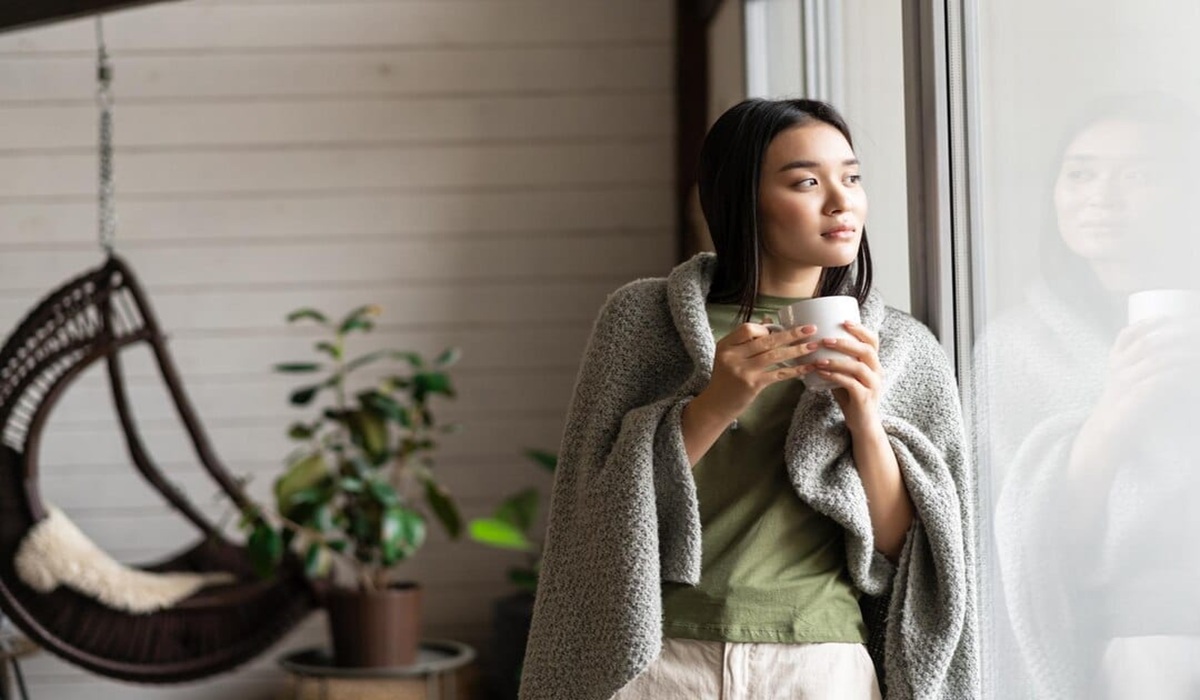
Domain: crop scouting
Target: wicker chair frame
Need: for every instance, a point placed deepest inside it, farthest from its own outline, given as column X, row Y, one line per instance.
column 93, row 318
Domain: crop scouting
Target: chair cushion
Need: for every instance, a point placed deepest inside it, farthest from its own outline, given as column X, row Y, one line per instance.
column 56, row 553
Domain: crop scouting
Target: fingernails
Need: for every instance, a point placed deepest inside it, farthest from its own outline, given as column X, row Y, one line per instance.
column 812, row 346
column 808, row 329
column 831, row 341
column 850, row 324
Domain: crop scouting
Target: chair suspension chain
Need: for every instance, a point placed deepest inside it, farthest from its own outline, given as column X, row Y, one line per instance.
column 104, row 98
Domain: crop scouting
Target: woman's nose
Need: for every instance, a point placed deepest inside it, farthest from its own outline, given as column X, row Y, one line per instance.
column 838, row 200
column 1106, row 192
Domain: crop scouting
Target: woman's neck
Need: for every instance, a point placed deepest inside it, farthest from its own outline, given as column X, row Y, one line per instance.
column 792, row 283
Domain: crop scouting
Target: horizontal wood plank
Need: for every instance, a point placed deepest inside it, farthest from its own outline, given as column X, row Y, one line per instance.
column 449, row 72
column 346, row 169
column 561, row 258
column 328, row 122
column 154, row 220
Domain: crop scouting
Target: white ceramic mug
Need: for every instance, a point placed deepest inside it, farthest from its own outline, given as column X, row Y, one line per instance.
column 1156, row 303
column 827, row 314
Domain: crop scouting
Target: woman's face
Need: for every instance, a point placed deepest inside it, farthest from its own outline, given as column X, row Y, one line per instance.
column 1113, row 198
column 811, row 204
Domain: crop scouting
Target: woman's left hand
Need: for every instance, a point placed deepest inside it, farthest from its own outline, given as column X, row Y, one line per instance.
column 859, row 376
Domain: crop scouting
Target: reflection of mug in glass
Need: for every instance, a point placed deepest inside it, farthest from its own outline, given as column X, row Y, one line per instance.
column 827, row 314
column 1157, row 303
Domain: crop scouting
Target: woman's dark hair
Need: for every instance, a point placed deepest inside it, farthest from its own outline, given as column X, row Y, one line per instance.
column 728, row 178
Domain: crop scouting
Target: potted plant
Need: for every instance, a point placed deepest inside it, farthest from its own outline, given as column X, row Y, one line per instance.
column 510, row 527
column 359, row 489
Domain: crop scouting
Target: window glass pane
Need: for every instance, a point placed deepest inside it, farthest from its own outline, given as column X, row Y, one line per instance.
column 1089, row 134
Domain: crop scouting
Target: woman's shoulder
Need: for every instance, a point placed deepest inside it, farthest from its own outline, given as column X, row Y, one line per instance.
column 643, row 298
column 903, row 331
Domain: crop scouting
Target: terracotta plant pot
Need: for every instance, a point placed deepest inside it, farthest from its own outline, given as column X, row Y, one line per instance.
column 375, row 629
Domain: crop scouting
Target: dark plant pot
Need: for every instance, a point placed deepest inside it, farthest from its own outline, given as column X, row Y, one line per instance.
column 376, row 629
column 510, row 631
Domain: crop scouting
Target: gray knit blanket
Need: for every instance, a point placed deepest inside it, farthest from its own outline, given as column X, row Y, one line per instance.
column 624, row 516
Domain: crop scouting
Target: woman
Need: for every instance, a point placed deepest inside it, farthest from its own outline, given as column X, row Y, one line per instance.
column 713, row 525
column 1094, row 523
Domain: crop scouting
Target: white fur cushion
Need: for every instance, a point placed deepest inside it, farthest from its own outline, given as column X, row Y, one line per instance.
column 57, row 553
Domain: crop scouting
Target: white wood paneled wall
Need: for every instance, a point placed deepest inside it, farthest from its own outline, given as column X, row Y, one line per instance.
column 487, row 170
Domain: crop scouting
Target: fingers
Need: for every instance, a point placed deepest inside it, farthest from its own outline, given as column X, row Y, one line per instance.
column 784, row 373
column 744, row 333
column 862, row 334
column 864, row 346
column 784, row 338
column 855, row 371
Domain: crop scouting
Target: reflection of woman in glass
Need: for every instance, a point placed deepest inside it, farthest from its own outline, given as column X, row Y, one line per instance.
column 1087, row 419
column 715, row 526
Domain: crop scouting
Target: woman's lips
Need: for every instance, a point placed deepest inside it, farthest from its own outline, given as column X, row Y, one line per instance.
column 839, row 234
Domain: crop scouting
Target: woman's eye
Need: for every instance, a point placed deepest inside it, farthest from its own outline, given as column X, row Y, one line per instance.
column 853, row 179
column 1079, row 176
column 806, row 182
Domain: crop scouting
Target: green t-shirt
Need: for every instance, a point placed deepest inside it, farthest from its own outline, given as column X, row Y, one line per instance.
column 772, row 568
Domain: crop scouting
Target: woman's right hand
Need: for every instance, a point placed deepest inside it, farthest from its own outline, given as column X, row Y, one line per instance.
column 750, row 359
column 746, row 362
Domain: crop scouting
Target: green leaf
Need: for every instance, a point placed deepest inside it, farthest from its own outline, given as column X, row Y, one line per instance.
column 546, row 459
column 330, row 349
column 351, row 484
column 519, row 510
column 369, row 431
column 307, row 313
column 358, row 324
column 444, row 508
column 304, row 395
column 322, row 519
column 448, row 357
column 303, row 497
column 525, row 579
column 395, row 382
column 386, row 405
column 383, row 493
column 425, row 383
column 498, row 533
column 298, row 367
column 301, row 476
column 265, row 547
column 301, row 431
column 360, row 527
column 402, row 532
column 359, row 319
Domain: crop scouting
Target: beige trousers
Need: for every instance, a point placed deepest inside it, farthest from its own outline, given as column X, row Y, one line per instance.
column 690, row 669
